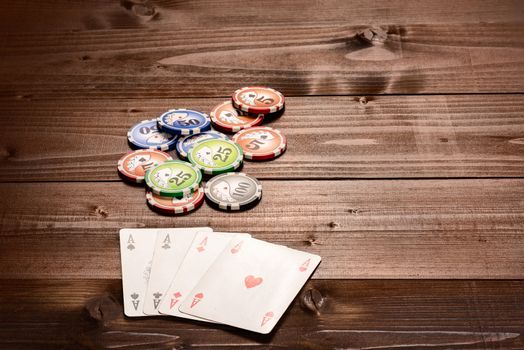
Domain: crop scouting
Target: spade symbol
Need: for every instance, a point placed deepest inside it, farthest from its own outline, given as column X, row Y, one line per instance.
column 130, row 247
column 167, row 242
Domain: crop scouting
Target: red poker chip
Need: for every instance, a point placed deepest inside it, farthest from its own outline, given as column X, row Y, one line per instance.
column 256, row 115
column 261, row 142
column 258, row 100
column 133, row 165
column 225, row 117
column 175, row 206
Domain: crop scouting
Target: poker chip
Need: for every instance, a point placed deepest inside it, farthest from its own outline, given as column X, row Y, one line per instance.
column 172, row 205
column 133, row 165
column 267, row 116
column 258, row 100
column 226, row 118
column 147, row 136
column 233, row 191
column 185, row 143
column 184, row 122
column 173, row 186
column 216, row 156
column 261, row 142
column 173, row 178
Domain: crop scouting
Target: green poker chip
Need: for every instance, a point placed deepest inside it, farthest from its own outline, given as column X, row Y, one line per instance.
column 173, row 178
column 216, row 156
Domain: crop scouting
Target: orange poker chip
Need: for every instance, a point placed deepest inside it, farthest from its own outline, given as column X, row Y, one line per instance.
column 133, row 165
column 226, row 118
column 258, row 100
column 172, row 205
column 261, row 142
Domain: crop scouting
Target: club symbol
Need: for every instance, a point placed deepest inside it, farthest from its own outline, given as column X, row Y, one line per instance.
column 135, row 300
column 156, row 300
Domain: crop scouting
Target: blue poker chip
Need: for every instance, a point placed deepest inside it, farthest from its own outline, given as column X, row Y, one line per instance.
column 147, row 136
column 184, row 122
column 185, row 143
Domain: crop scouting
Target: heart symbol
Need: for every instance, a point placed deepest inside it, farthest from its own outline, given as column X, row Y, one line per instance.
column 252, row 281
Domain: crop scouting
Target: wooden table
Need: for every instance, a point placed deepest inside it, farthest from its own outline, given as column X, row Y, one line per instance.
column 405, row 168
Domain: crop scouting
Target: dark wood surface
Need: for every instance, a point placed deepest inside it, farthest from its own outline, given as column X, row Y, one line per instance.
column 362, row 229
column 405, row 168
column 298, row 59
column 435, row 136
column 327, row 314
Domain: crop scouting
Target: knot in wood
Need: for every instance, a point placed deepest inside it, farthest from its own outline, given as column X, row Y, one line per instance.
column 313, row 301
column 311, row 241
column 363, row 100
column 24, row 97
column 103, row 308
column 373, row 35
column 4, row 153
column 100, row 211
column 334, row 224
column 144, row 10
column 128, row 4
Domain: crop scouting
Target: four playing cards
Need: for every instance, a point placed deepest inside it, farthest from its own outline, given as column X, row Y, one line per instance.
column 217, row 277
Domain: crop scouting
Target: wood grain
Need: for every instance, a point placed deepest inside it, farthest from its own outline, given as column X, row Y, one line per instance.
column 327, row 314
column 298, row 59
column 81, row 15
column 402, row 95
column 362, row 229
column 328, row 137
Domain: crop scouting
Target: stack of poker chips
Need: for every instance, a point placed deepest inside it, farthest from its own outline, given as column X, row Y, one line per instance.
column 174, row 186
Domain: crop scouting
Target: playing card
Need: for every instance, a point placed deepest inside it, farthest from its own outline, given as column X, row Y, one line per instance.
column 203, row 251
column 136, row 251
column 170, row 249
column 250, row 284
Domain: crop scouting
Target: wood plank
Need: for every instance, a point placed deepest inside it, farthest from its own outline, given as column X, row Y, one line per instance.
column 327, row 314
column 329, row 137
column 80, row 15
column 362, row 229
column 298, row 59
